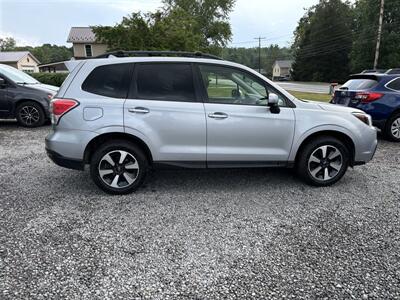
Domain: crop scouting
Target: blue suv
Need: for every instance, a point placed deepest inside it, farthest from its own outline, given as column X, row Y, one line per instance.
column 376, row 94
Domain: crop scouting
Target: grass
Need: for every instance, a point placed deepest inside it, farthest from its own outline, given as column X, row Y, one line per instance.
column 312, row 96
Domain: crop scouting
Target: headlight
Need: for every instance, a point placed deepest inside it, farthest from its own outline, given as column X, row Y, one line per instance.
column 366, row 119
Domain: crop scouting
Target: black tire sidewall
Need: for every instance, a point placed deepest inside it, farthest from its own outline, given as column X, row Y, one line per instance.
column 114, row 146
column 302, row 165
column 388, row 129
column 39, row 108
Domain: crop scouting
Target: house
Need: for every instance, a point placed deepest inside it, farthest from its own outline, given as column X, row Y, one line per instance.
column 84, row 43
column 281, row 68
column 21, row 60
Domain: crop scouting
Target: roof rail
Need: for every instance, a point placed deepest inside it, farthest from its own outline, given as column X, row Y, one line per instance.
column 122, row 53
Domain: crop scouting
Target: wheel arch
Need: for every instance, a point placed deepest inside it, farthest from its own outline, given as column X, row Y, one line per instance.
column 344, row 138
column 394, row 112
column 105, row 137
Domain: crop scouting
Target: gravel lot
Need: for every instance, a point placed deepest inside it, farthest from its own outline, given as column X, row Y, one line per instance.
column 195, row 234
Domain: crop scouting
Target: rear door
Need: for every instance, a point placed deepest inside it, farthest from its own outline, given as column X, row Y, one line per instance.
column 241, row 129
column 164, row 110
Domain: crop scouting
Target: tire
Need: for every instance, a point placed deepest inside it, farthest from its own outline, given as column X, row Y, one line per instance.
column 104, row 174
column 30, row 114
column 319, row 170
column 392, row 128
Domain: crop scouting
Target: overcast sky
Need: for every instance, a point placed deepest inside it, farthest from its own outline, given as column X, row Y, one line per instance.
column 34, row 22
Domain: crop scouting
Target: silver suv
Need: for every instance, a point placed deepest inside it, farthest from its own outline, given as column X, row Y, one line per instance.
column 123, row 115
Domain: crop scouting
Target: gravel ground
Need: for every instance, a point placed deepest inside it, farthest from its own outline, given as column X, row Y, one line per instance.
column 195, row 234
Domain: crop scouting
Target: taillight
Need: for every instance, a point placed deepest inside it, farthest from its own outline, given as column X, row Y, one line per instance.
column 59, row 107
column 366, row 97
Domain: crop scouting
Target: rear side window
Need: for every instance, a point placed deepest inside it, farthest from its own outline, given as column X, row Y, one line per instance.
column 394, row 85
column 109, row 80
column 360, row 84
column 168, row 82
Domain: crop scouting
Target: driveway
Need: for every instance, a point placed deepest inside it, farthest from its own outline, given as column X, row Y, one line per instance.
column 244, row 234
column 306, row 87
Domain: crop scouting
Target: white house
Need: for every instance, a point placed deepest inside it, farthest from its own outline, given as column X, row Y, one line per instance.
column 21, row 60
column 281, row 68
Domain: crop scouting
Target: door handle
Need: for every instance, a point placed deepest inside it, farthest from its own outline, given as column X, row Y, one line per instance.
column 139, row 110
column 218, row 115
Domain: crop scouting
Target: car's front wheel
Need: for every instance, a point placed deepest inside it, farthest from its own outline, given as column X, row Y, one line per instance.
column 30, row 114
column 392, row 130
column 118, row 167
column 323, row 161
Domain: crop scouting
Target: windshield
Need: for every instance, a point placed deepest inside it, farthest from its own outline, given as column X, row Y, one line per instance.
column 16, row 75
column 359, row 84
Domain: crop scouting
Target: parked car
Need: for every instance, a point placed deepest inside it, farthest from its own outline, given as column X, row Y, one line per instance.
column 121, row 116
column 23, row 97
column 376, row 94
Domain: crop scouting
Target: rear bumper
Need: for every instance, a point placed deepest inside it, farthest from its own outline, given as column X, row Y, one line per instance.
column 65, row 162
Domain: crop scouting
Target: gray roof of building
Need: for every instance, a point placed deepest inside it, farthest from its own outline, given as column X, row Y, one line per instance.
column 15, row 56
column 284, row 63
column 81, row 35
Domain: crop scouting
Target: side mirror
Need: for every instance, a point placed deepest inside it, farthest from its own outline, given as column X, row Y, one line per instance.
column 273, row 101
column 2, row 82
column 236, row 93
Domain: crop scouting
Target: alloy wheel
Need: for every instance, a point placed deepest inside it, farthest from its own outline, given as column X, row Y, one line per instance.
column 395, row 128
column 29, row 115
column 325, row 162
column 118, row 169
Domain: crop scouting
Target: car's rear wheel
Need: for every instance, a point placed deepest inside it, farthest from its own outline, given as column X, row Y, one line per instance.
column 323, row 161
column 392, row 130
column 30, row 114
column 118, row 167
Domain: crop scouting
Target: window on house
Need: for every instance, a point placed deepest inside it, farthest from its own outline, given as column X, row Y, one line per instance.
column 88, row 50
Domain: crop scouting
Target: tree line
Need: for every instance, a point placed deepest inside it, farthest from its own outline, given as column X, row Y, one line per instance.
column 46, row 53
column 335, row 38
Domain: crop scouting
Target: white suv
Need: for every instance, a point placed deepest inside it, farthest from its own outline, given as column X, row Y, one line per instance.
column 123, row 115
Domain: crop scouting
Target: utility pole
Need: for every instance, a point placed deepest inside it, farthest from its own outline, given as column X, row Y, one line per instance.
column 378, row 40
column 259, row 52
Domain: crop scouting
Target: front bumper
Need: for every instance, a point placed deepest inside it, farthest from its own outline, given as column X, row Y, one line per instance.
column 65, row 162
column 366, row 146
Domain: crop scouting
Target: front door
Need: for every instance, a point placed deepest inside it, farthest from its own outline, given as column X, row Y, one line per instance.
column 241, row 129
column 4, row 100
column 164, row 111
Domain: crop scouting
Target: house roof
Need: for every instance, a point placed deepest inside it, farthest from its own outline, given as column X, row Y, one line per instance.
column 81, row 35
column 15, row 56
column 284, row 63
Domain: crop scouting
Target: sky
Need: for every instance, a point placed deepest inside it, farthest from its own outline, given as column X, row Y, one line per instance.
column 35, row 22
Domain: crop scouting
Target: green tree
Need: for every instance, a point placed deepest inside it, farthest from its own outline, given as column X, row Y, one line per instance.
column 249, row 56
column 45, row 54
column 366, row 27
column 181, row 25
column 323, row 41
column 7, row 44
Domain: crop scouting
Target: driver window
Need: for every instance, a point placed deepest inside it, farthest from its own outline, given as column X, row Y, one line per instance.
column 231, row 86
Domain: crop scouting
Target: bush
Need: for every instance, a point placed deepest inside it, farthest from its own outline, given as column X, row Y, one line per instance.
column 50, row 78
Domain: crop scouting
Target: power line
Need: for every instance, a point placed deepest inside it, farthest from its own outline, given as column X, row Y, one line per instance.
column 259, row 52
